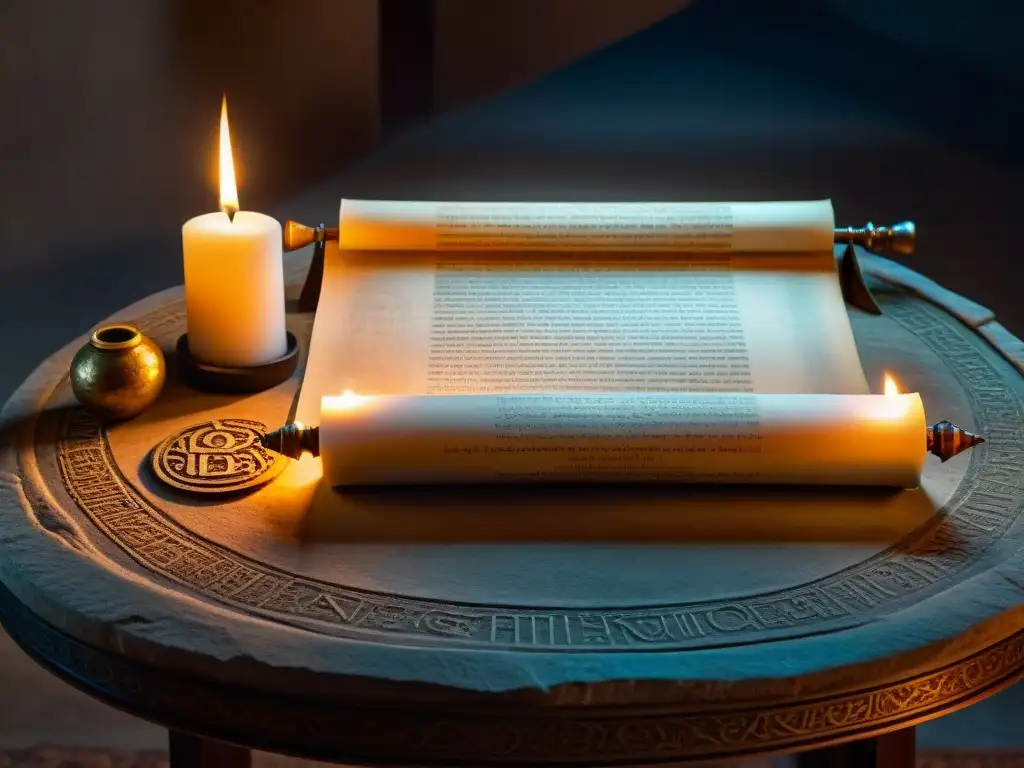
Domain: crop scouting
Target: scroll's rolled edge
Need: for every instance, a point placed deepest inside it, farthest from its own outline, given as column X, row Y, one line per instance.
column 818, row 221
column 473, row 417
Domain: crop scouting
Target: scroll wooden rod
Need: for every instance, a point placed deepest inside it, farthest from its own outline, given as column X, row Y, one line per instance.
column 898, row 238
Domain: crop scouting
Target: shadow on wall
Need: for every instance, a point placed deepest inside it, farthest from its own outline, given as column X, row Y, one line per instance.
column 923, row 67
column 486, row 47
column 983, row 33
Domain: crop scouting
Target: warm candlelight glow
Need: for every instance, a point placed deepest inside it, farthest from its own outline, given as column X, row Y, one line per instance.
column 302, row 474
column 894, row 404
column 348, row 399
column 890, row 387
column 228, row 189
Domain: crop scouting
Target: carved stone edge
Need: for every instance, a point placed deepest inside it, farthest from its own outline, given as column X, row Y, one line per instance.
column 1004, row 342
column 842, row 599
column 968, row 312
column 971, row 314
column 504, row 736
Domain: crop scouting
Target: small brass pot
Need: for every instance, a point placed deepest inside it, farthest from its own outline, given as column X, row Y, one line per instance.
column 119, row 373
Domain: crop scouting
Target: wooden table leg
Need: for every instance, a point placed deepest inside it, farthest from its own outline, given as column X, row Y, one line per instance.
column 188, row 751
column 893, row 750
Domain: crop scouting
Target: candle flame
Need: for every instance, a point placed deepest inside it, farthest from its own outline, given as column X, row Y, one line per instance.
column 890, row 387
column 228, row 188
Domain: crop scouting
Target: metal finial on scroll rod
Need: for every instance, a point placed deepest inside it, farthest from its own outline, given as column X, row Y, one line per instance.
column 898, row 238
column 946, row 440
column 293, row 440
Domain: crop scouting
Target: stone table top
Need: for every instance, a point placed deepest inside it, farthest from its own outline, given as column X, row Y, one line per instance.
column 443, row 627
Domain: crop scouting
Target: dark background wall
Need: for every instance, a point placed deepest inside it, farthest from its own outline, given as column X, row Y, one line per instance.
column 111, row 112
column 110, row 108
column 985, row 33
column 484, row 47
column 111, row 105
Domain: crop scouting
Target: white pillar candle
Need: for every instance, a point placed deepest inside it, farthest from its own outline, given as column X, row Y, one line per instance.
column 624, row 437
column 234, row 288
column 234, row 278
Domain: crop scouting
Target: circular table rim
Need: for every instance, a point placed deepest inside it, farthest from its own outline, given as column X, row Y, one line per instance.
column 1006, row 671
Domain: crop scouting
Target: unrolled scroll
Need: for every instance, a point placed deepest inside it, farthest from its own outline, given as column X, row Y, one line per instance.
column 453, row 298
column 624, row 437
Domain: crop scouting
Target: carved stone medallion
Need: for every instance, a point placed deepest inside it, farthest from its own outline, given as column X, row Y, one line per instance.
column 219, row 456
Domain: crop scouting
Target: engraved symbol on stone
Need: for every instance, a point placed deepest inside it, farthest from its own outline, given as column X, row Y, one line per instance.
column 219, row 456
